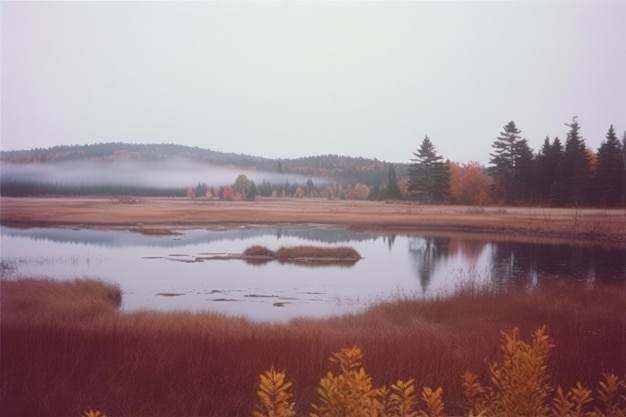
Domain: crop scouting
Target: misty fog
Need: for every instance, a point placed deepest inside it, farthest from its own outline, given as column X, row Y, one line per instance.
column 172, row 173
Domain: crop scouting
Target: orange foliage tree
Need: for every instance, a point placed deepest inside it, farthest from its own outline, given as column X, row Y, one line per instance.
column 469, row 184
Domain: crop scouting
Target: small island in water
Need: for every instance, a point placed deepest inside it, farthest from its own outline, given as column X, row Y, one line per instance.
column 341, row 255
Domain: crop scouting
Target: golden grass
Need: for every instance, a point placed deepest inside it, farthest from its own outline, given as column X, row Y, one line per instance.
column 258, row 250
column 607, row 226
column 61, row 358
column 316, row 252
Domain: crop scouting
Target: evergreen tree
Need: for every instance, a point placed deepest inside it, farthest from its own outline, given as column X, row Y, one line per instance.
column 546, row 163
column 429, row 177
column 522, row 181
column 393, row 191
column 573, row 173
column 503, row 161
column 624, row 163
column 609, row 174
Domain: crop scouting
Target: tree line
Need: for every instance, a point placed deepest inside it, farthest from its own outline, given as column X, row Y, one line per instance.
column 558, row 174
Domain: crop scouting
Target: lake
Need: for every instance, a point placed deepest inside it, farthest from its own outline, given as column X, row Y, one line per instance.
column 169, row 273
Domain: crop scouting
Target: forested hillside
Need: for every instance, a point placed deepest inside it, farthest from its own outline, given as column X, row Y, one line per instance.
column 281, row 176
column 560, row 173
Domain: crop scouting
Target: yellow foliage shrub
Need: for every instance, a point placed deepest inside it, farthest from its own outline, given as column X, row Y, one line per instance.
column 274, row 394
column 519, row 386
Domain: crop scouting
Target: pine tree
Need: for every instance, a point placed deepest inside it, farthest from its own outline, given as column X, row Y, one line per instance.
column 429, row 176
column 609, row 174
column 574, row 170
column 522, row 180
column 624, row 163
column 546, row 164
column 393, row 191
column 503, row 162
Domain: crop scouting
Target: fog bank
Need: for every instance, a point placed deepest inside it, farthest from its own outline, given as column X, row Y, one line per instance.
column 172, row 173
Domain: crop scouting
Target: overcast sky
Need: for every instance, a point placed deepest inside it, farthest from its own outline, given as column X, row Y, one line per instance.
column 290, row 79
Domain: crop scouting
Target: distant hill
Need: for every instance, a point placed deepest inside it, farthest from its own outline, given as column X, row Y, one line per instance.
column 342, row 169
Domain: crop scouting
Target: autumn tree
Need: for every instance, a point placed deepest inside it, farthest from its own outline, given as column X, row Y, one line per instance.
column 245, row 187
column 429, row 177
column 469, row 183
column 573, row 173
column 608, row 177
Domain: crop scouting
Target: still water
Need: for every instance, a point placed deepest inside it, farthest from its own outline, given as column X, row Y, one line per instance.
column 168, row 273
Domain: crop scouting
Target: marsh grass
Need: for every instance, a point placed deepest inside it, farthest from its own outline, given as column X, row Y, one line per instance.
column 302, row 252
column 302, row 255
column 66, row 348
column 341, row 252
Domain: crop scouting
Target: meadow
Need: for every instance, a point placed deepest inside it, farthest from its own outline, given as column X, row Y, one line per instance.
column 162, row 215
column 67, row 348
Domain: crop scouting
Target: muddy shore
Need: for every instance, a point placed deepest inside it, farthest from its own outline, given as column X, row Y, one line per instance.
column 163, row 216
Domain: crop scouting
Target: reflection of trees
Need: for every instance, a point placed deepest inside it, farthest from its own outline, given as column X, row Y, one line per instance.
column 470, row 249
column 512, row 263
column 426, row 253
column 520, row 262
column 390, row 240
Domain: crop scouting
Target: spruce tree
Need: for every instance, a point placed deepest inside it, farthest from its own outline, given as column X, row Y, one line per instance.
column 502, row 162
column 522, row 181
column 429, row 177
column 393, row 191
column 546, row 163
column 609, row 174
column 624, row 163
column 573, row 173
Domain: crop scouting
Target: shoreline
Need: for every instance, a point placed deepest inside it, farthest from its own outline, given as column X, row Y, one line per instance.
column 164, row 216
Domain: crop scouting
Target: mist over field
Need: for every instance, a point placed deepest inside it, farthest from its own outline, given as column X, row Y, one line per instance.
column 173, row 173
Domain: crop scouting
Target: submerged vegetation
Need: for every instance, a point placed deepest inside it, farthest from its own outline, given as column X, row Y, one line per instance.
column 67, row 348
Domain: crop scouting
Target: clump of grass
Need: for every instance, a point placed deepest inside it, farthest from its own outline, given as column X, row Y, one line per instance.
column 79, row 298
column 315, row 252
column 302, row 255
column 260, row 251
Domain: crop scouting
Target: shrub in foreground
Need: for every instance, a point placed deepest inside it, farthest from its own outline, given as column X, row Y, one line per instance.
column 519, row 385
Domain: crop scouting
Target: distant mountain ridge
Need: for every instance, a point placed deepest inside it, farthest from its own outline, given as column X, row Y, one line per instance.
column 340, row 168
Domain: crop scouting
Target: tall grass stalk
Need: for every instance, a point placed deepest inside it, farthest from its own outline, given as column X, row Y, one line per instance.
column 66, row 348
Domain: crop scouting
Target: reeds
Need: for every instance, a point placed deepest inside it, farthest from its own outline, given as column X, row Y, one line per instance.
column 62, row 356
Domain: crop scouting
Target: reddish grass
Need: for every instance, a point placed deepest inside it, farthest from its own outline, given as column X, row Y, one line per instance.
column 60, row 361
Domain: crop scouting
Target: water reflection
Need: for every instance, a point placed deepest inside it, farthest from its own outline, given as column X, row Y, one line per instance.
column 392, row 264
column 426, row 254
column 520, row 264
column 120, row 238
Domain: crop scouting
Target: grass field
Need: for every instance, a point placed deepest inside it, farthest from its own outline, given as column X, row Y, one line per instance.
column 66, row 348
column 161, row 215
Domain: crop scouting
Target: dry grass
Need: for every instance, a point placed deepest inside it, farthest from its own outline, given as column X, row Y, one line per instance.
column 316, row 252
column 608, row 226
column 60, row 361
column 302, row 255
column 261, row 251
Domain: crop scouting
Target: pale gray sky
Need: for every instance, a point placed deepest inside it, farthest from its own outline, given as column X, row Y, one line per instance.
column 290, row 79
